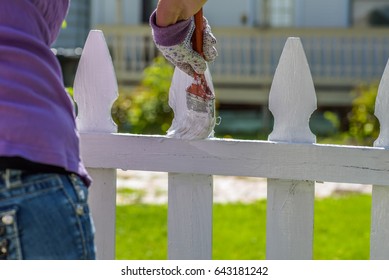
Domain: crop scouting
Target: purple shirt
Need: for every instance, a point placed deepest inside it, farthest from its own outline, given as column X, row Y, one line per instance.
column 36, row 114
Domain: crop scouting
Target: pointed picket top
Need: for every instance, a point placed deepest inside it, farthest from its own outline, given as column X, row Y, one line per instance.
column 292, row 96
column 95, row 86
column 381, row 110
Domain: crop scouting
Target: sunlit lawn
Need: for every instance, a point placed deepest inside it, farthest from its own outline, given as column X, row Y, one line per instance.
column 342, row 230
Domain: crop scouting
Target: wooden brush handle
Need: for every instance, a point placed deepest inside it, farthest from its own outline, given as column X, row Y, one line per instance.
column 197, row 38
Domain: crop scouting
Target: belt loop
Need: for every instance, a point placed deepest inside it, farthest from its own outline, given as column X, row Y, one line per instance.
column 12, row 178
column 76, row 184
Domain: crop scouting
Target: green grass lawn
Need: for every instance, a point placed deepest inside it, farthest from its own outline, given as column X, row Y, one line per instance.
column 342, row 230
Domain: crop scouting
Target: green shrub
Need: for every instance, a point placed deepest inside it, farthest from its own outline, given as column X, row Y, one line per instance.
column 363, row 125
column 146, row 110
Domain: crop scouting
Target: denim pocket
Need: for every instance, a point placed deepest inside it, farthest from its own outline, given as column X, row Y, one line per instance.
column 83, row 216
column 10, row 248
column 45, row 216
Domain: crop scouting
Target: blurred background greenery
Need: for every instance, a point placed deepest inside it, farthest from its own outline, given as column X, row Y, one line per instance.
column 145, row 110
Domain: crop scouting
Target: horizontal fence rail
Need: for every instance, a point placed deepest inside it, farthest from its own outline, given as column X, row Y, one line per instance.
column 316, row 162
column 250, row 55
column 291, row 160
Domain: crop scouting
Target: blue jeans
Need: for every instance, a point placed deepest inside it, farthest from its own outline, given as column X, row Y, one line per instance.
column 44, row 217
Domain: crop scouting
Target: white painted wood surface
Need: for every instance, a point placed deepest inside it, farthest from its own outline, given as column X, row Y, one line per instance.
column 379, row 244
column 292, row 97
column 290, row 203
column 379, row 235
column 95, row 90
column 102, row 202
column 316, row 162
column 290, row 159
column 190, row 216
column 95, row 86
column 289, row 219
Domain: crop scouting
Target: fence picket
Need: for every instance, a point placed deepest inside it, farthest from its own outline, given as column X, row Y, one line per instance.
column 289, row 233
column 379, row 238
column 190, row 216
column 95, row 90
column 95, row 86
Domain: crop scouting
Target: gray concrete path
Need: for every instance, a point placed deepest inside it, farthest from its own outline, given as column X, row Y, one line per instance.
column 151, row 188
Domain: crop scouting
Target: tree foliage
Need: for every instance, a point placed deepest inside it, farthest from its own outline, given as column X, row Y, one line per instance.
column 146, row 110
column 363, row 125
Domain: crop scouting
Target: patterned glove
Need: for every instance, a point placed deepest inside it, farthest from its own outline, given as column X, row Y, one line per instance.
column 174, row 42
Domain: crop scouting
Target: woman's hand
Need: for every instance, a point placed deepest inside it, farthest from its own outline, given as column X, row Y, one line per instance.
column 174, row 40
column 171, row 11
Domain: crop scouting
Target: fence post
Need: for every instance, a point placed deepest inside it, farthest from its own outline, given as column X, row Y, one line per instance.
column 290, row 204
column 190, row 216
column 379, row 238
column 95, row 90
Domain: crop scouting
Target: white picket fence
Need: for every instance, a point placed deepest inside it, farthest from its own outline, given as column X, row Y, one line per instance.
column 291, row 160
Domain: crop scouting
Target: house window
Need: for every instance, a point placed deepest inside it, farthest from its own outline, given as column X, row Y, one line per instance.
column 78, row 26
column 281, row 13
column 370, row 12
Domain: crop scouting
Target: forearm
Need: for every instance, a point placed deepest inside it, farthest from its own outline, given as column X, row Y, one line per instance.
column 171, row 11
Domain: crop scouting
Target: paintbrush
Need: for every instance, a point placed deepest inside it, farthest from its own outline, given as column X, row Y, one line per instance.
column 192, row 98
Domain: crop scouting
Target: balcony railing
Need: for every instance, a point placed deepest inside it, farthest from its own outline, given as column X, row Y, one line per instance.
column 340, row 57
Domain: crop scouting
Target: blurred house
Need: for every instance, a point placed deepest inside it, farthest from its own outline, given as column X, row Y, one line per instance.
column 345, row 42
column 68, row 46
